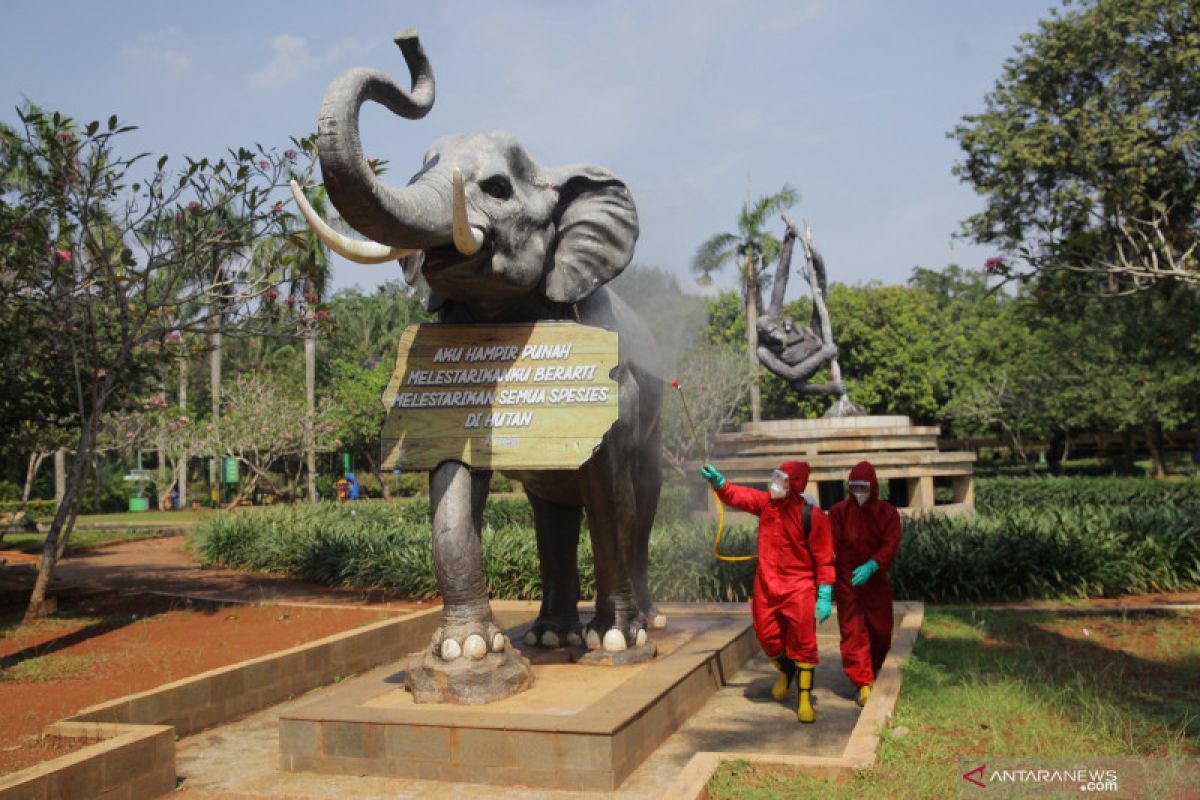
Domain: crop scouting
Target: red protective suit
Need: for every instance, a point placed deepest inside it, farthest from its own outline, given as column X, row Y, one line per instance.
column 861, row 534
column 789, row 568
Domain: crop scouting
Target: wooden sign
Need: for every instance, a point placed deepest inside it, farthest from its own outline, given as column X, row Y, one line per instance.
column 529, row 396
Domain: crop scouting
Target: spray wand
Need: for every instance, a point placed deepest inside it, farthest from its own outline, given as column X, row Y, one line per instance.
column 720, row 505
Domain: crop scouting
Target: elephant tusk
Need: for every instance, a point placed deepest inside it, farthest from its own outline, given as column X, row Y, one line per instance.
column 361, row 252
column 467, row 240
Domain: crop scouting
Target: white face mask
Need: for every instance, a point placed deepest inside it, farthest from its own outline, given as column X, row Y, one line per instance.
column 779, row 485
column 861, row 497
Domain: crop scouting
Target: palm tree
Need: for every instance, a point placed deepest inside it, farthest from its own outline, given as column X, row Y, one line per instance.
column 751, row 248
column 309, row 264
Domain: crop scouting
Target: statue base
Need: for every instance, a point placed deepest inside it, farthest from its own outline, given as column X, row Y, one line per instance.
column 466, row 681
column 577, row 729
column 619, row 658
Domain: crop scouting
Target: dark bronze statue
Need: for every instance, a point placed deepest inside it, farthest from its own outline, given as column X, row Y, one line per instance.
column 791, row 351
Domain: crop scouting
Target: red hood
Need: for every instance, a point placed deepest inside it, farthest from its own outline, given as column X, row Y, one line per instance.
column 863, row 471
column 797, row 472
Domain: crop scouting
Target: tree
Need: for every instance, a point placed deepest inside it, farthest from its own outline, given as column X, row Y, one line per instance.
column 751, row 247
column 257, row 427
column 356, row 413
column 1088, row 152
column 308, row 260
column 713, row 382
column 100, row 254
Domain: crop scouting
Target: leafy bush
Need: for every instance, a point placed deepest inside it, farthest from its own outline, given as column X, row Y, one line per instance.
column 1044, row 552
column 998, row 494
column 37, row 508
column 1008, row 552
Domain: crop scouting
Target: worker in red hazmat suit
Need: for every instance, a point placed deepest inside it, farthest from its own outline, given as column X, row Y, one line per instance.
column 793, row 584
column 866, row 535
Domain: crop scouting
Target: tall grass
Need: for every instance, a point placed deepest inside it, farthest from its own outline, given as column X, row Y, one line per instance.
column 1049, row 546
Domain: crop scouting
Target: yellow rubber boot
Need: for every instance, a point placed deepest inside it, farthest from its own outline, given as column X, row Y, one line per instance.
column 804, row 679
column 787, row 670
column 864, row 692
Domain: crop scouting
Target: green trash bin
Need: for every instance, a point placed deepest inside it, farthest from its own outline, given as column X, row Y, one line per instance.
column 139, row 503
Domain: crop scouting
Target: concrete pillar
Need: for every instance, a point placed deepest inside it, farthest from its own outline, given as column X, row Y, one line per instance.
column 920, row 492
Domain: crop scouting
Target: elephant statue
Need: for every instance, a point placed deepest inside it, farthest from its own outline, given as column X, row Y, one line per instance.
column 490, row 236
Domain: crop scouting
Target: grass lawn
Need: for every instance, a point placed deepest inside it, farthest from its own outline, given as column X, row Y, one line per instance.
column 1007, row 683
column 139, row 519
column 26, row 542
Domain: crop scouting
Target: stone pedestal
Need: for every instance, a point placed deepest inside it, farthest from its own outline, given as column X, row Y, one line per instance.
column 466, row 681
column 579, row 727
column 905, row 456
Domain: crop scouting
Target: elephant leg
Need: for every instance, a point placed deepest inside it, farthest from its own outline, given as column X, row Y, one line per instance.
column 611, row 504
column 557, row 527
column 469, row 660
column 456, row 498
column 647, row 483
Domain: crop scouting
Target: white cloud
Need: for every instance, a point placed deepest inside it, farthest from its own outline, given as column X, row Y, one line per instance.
column 290, row 59
column 176, row 61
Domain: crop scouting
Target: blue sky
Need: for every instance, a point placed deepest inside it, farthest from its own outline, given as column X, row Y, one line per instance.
column 696, row 105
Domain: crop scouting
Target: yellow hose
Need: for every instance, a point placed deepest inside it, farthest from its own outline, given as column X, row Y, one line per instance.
column 720, row 528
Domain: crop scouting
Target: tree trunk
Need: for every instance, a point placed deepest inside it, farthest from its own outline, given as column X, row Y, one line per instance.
column 1154, row 442
column 60, row 528
column 1127, row 454
column 214, row 387
column 182, row 477
column 751, row 286
column 60, row 474
column 35, row 463
column 310, row 406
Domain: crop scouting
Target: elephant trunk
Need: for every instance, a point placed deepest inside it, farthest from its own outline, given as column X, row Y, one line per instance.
column 416, row 216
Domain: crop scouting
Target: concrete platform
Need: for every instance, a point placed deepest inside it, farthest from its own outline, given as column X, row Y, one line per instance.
column 579, row 726
column 241, row 760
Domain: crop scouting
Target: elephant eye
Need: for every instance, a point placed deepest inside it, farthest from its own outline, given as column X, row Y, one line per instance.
column 498, row 187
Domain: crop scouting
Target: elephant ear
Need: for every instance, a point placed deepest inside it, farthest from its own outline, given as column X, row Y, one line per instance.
column 597, row 227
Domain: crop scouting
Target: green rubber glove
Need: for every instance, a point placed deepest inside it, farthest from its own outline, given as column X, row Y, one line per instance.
column 710, row 474
column 824, row 602
column 863, row 573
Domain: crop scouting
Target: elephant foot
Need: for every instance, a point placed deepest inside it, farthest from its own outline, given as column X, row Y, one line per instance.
column 637, row 654
column 546, row 633
column 655, row 619
column 468, row 640
column 614, row 638
column 468, row 681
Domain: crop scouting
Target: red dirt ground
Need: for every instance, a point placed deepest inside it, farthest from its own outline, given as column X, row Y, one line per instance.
column 102, row 647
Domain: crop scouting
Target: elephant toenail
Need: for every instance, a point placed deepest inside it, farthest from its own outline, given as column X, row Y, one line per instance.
column 614, row 640
column 475, row 647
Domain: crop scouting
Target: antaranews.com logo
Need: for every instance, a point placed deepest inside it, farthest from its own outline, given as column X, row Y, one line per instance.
column 1071, row 777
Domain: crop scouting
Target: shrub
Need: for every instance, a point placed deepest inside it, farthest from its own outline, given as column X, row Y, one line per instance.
column 999, row 494
column 1024, row 553
column 1006, row 552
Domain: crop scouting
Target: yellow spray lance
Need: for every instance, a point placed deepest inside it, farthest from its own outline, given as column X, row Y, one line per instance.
column 720, row 505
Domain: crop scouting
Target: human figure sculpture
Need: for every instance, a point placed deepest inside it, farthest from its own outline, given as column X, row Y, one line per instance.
column 795, row 352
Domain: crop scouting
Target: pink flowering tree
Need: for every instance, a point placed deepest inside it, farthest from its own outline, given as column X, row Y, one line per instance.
column 159, row 426
column 105, row 261
column 263, row 428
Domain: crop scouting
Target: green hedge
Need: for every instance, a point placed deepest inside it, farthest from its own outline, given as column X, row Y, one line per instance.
column 998, row 494
column 38, row 508
column 1025, row 553
column 1014, row 552
column 378, row 545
